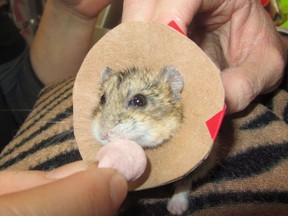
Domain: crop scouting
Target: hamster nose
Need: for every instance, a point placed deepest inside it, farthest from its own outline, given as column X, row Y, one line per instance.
column 113, row 135
column 108, row 135
column 104, row 135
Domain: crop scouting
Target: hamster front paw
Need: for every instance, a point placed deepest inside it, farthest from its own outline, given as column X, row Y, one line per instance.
column 178, row 204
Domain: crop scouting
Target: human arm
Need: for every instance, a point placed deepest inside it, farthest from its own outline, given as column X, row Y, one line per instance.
column 79, row 188
column 238, row 35
column 64, row 37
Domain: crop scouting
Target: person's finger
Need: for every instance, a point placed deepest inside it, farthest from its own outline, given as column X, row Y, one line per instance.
column 138, row 10
column 91, row 192
column 12, row 181
column 180, row 11
column 245, row 82
column 254, row 55
column 162, row 11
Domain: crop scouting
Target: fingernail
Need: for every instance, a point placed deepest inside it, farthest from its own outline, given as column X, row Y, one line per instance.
column 118, row 189
column 69, row 169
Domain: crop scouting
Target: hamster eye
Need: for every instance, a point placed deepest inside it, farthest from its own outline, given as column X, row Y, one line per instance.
column 103, row 99
column 138, row 100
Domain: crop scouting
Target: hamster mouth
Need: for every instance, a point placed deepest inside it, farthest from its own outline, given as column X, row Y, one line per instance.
column 143, row 140
column 106, row 137
column 141, row 135
column 112, row 136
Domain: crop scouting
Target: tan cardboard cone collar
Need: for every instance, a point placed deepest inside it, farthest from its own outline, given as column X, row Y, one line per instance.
column 155, row 45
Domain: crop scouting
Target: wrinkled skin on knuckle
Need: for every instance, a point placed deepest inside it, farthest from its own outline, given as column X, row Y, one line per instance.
column 274, row 69
column 247, row 91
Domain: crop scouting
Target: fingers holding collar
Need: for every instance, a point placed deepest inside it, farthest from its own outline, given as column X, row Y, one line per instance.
column 252, row 77
column 162, row 11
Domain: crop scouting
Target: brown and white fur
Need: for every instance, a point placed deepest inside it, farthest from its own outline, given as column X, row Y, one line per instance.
column 144, row 106
column 139, row 104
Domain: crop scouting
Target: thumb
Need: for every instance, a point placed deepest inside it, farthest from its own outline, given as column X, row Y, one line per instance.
column 239, row 89
column 16, row 180
column 245, row 82
column 91, row 192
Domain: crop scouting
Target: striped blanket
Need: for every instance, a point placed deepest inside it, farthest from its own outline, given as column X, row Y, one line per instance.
column 252, row 178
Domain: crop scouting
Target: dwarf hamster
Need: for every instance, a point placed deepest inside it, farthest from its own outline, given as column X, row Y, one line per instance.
column 144, row 106
column 139, row 104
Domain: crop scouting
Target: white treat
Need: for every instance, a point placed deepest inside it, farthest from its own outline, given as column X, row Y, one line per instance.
column 124, row 155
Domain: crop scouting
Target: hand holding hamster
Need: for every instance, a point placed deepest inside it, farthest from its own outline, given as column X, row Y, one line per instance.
column 238, row 35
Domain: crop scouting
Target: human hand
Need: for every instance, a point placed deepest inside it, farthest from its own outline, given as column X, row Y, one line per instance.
column 79, row 188
column 239, row 36
column 64, row 37
column 86, row 9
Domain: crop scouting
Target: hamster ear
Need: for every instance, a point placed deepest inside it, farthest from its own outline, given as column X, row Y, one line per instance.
column 106, row 74
column 174, row 78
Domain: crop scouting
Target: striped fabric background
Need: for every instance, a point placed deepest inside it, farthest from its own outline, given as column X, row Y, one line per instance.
column 251, row 179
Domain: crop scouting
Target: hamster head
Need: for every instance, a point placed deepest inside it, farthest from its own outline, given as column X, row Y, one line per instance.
column 138, row 104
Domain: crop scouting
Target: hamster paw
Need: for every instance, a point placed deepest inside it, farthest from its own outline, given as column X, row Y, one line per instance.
column 178, row 204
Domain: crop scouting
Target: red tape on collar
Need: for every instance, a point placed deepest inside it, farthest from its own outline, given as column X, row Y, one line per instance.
column 213, row 124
